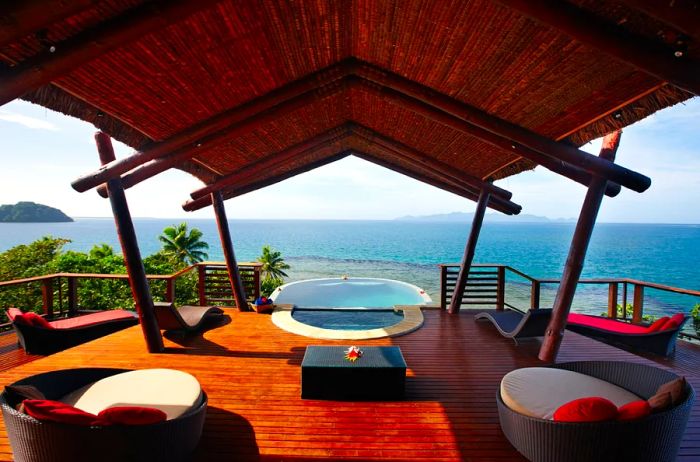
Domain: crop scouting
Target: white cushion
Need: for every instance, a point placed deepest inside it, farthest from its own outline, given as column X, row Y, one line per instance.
column 539, row 391
column 173, row 392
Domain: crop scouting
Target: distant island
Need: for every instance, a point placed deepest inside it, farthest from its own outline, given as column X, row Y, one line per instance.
column 467, row 217
column 30, row 212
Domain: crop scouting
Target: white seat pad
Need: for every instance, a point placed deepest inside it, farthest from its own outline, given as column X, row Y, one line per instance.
column 173, row 392
column 539, row 391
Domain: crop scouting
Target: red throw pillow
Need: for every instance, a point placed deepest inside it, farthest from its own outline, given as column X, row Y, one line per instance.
column 593, row 409
column 674, row 322
column 55, row 411
column 20, row 319
column 634, row 410
column 131, row 415
column 37, row 321
column 658, row 324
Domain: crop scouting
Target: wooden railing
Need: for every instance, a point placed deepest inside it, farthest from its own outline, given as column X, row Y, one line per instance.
column 59, row 291
column 487, row 287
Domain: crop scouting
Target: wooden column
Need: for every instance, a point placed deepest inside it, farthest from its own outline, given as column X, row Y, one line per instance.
column 612, row 300
column 130, row 248
column 577, row 255
column 234, row 276
column 638, row 304
column 469, row 249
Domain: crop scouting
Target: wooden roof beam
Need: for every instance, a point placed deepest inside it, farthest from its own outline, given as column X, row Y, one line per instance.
column 255, row 169
column 498, row 132
column 233, row 122
column 500, row 205
column 683, row 15
column 231, row 192
column 22, row 18
column 92, row 43
column 647, row 55
column 556, row 165
column 430, row 163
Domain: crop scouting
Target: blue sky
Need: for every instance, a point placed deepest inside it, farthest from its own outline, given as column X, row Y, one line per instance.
column 44, row 151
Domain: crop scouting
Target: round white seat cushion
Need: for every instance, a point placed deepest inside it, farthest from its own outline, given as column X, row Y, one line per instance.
column 173, row 392
column 539, row 391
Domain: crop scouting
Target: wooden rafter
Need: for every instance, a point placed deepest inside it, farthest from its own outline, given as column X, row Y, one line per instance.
column 232, row 192
column 208, row 131
column 683, row 15
column 22, row 18
column 646, row 55
column 92, row 43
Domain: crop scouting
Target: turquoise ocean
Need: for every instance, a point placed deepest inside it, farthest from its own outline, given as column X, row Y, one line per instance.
column 411, row 251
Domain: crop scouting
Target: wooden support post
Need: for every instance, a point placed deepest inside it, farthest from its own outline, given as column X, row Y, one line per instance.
column 234, row 276
column 130, row 248
column 72, row 295
column 170, row 290
column 256, row 281
column 612, row 300
column 535, row 290
column 624, row 300
column 443, row 287
column 577, row 255
column 47, row 296
column 638, row 304
column 202, row 284
column 469, row 249
column 501, row 289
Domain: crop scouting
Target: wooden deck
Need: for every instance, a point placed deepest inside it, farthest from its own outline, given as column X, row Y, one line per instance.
column 251, row 371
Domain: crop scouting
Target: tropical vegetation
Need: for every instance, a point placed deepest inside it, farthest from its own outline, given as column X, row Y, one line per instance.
column 182, row 247
column 272, row 271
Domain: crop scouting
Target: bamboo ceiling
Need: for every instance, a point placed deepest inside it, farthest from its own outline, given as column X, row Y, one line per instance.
column 194, row 61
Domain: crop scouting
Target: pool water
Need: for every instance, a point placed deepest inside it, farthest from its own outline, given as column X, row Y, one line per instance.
column 349, row 303
column 341, row 319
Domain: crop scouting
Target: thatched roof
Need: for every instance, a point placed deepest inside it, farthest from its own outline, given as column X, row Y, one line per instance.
column 231, row 83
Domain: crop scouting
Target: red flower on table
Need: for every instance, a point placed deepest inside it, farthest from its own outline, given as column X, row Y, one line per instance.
column 353, row 354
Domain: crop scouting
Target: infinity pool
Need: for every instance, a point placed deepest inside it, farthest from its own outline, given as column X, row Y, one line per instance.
column 349, row 303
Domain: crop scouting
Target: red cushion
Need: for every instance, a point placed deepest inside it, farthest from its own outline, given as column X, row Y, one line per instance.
column 92, row 318
column 606, row 324
column 131, row 415
column 634, row 410
column 55, row 411
column 593, row 409
column 675, row 321
column 658, row 324
column 37, row 321
column 12, row 312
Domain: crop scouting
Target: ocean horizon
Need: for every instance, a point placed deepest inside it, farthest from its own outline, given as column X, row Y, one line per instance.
column 411, row 250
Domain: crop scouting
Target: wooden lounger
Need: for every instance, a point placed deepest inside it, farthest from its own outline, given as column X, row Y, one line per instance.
column 186, row 318
column 515, row 325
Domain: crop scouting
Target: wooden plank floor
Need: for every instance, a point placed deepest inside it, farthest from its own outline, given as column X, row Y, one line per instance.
column 11, row 355
column 251, row 371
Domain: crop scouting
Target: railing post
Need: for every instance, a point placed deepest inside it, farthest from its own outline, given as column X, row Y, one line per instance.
column 501, row 288
column 72, row 295
column 256, row 281
column 624, row 300
column 47, row 296
column 535, row 295
column 638, row 304
column 202, row 272
column 612, row 300
column 443, row 287
column 170, row 290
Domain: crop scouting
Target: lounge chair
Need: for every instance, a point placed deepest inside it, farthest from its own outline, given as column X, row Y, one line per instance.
column 185, row 318
column 53, row 336
column 515, row 325
column 630, row 336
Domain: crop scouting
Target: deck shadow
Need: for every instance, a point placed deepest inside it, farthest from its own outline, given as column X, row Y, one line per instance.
column 223, row 427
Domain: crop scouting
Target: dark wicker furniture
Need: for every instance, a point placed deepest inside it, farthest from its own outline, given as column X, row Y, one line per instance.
column 42, row 341
column 661, row 342
column 656, row 438
column 186, row 318
column 380, row 374
column 34, row 441
column 515, row 325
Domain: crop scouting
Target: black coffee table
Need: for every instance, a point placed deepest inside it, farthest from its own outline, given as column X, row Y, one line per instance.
column 380, row 374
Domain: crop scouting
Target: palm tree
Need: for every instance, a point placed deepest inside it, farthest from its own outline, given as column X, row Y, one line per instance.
column 101, row 251
column 182, row 247
column 273, row 263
